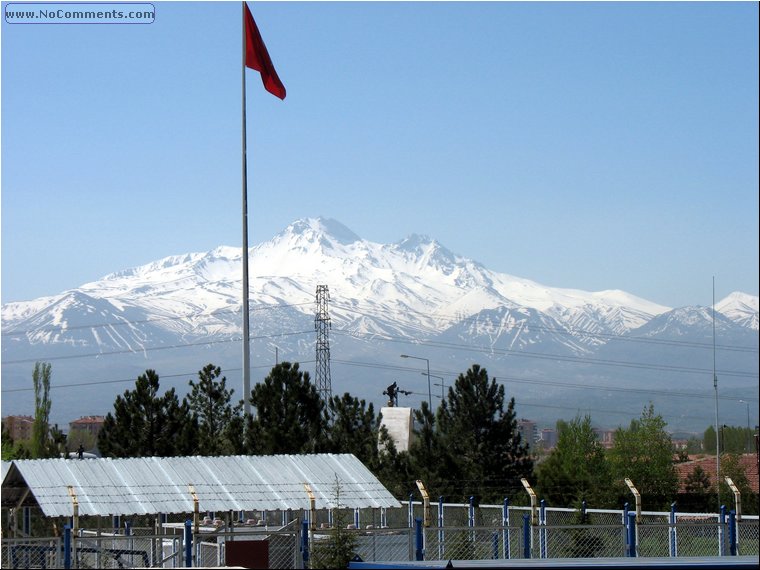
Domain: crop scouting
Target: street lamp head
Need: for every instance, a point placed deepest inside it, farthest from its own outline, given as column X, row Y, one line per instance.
column 404, row 356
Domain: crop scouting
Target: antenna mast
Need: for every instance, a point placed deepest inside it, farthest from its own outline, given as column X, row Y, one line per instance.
column 322, row 326
column 715, row 385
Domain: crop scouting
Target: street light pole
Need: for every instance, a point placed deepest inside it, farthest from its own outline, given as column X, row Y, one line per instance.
column 442, row 385
column 430, row 393
column 749, row 431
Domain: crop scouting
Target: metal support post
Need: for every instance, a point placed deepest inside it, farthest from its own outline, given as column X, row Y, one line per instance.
column 419, row 550
column 526, row 536
column 505, row 524
column 305, row 543
column 542, row 529
column 441, row 537
column 636, row 496
column 632, row 541
column 737, row 498
column 533, row 500
column 425, row 503
column 672, row 531
column 67, row 547
column 188, row 543
column 732, row 542
column 471, row 518
column 721, row 531
column 312, row 506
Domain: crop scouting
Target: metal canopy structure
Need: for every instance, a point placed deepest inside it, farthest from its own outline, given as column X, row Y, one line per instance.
column 152, row 485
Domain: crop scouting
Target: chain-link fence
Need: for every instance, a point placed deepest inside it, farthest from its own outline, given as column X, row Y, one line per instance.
column 747, row 537
column 32, row 553
column 371, row 545
column 90, row 550
column 272, row 548
column 460, row 532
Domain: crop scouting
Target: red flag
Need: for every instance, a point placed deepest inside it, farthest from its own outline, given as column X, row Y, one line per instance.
column 257, row 57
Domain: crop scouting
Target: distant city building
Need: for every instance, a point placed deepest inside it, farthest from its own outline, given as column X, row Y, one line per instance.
column 680, row 443
column 605, row 436
column 19, row 427
column 88, row 424
column 549, row 438
column 528, row 430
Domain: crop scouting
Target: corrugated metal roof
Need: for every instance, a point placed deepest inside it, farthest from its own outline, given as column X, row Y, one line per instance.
column 150, row 485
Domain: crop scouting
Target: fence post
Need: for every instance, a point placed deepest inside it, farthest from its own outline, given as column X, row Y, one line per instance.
column 411, row 511
column 188, row 543
column 419, row 553
column 505, row 524
column 732, row 533
column 672, row 531
column 67, row 547
column 632, row 535
column 526, row 536
column 542, row 528
column 305, row 543
column 625, row 525
column 440, row 528
column 27, row 517
column 721, row 531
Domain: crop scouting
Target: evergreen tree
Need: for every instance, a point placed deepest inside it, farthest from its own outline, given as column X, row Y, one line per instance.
column 644, row 454
column 354, row 429
column 431, row 460
column 481, row 439
column 341, row 544
column 290, row 415
column 219, row 422
column 39, row 446
column 146, row 424
column 577, row 468
column 698, row 495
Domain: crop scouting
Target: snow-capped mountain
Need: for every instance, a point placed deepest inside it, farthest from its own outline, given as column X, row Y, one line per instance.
column 178, row 313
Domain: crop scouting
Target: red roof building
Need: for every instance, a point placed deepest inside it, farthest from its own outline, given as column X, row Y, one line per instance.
column 89, row 424
column 748, row 461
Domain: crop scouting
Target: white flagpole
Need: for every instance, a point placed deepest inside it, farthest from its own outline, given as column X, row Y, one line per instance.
column 246, row 332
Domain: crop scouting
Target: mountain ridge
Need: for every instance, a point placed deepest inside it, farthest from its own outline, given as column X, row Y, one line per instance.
column 412, row 291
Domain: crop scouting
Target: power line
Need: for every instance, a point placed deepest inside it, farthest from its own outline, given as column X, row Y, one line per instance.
column 545, row 382
column 553, row 357
column 58, row 328
column 151, row 349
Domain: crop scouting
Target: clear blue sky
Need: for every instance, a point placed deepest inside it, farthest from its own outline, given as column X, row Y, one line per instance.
column 585, row 145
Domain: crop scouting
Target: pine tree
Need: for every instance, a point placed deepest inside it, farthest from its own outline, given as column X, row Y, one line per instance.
column 481, row 438
column 219, row 422
column 146, row 424
column 290, row 415
column 354, row 429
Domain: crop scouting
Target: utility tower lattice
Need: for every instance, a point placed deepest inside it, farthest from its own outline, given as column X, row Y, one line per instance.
column 322, row 326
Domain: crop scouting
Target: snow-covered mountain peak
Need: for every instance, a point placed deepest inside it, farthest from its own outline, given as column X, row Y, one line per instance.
column 428, row 252
column 319, row 230
column 741, row 308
